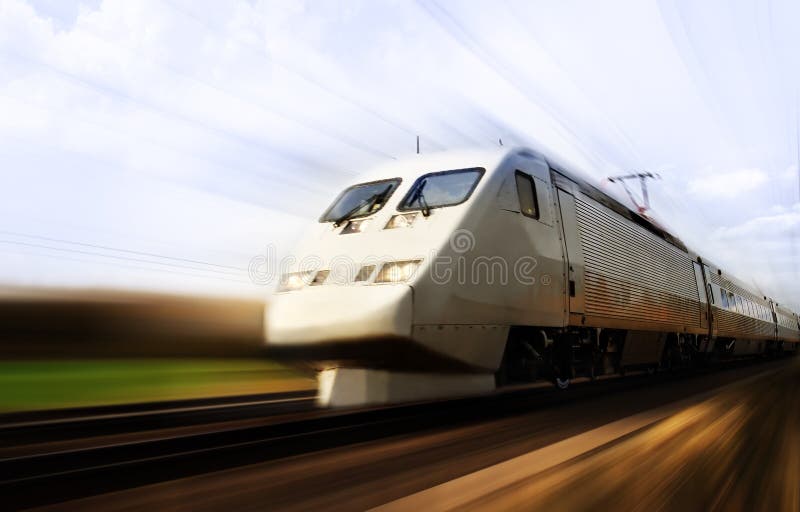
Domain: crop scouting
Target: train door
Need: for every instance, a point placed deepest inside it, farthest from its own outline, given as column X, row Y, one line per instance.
column 536, row 206
column 702, row 294
column 774, row 320
column 572, row 247
column 713, row 323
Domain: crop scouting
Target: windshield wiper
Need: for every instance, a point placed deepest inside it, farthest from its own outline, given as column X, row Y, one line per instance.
column 419, row 197
column 369, row 202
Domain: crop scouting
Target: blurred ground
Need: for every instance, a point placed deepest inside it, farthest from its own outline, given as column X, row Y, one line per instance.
column 734, row 448
column 739, row 450
column 68, row 348
column 51, row 384
column 77, row 324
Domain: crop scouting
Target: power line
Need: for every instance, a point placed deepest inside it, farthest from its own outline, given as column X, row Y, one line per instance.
column 128, row 251
column 123, row 258
column 223, row 166
column 134, row 267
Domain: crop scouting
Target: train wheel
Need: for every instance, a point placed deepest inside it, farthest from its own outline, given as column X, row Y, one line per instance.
column 522, row 360
column 562, row 356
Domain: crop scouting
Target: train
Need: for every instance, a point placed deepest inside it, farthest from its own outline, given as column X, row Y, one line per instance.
column 459, row 272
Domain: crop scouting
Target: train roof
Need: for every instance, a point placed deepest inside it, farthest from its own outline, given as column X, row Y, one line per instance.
column 582, row 179
column 410, row 168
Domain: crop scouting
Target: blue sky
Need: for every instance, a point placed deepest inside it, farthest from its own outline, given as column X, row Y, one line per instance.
column 163, row 144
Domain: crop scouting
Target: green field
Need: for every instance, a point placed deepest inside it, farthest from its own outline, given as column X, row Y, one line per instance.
column 31, row 385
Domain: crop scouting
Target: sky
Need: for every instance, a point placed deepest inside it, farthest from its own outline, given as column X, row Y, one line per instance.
column 162, row 144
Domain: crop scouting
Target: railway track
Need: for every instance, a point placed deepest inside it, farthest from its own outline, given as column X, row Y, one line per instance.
column 40, row 427
column 47, row 478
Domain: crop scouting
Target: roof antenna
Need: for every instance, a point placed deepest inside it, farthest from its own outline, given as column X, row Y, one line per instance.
column 500, row 141
column 417, row 144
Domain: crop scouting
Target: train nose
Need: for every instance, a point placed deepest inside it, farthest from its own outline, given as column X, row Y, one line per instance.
column 325, row 314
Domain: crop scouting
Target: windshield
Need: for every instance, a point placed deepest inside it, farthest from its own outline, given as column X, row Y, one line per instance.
column 360, row 200
column 439, row 189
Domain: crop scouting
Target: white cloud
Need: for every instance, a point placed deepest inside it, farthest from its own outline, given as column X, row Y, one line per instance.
column 780, row 224
column 727, row 185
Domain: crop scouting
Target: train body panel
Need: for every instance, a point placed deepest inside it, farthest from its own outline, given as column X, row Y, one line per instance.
column 627, row 274
column 787, row 326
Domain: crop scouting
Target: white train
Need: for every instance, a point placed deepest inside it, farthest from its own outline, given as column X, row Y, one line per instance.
column 452, row 273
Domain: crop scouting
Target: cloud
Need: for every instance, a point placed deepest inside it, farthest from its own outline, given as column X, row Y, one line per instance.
column 727, row 185
column 780, row 225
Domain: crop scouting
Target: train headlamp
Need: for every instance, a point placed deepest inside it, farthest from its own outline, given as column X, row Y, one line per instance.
column 397, row 271
column 356, row 226
column 294, row 280
column 402, row 220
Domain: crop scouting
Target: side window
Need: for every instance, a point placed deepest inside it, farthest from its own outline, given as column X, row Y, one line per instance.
column 526, row 189
column 724, row 296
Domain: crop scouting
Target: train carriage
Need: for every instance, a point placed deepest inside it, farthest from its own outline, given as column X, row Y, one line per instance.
column 453, row 272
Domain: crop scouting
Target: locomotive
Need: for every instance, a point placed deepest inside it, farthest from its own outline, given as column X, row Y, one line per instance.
column 457, row 272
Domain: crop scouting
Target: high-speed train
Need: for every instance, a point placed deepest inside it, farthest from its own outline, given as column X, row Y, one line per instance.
column 456, row 272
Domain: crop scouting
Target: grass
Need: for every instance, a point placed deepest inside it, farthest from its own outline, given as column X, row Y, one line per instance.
column 32, row 385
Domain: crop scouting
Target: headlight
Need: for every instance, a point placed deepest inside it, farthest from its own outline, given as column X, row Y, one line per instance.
column 356, row 226
column 397, row 271
column 294, row 280
column 365, row 273
column 403, row 220
column 320, row 278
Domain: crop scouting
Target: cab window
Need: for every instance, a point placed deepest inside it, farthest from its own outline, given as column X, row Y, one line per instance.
column 440, row 189
column 360, row 200
column 526, row 189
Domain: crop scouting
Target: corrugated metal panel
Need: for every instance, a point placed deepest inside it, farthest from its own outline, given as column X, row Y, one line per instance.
column 787, row 328
column 632, row 274
column 733, row 287
column 713, row 278
column 736, row 325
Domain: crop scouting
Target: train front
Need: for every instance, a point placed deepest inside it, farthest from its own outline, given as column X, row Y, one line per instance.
column 345, row 302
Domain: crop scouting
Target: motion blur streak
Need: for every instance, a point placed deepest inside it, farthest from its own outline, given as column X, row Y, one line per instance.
column 736, row 451
column 61, row 348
